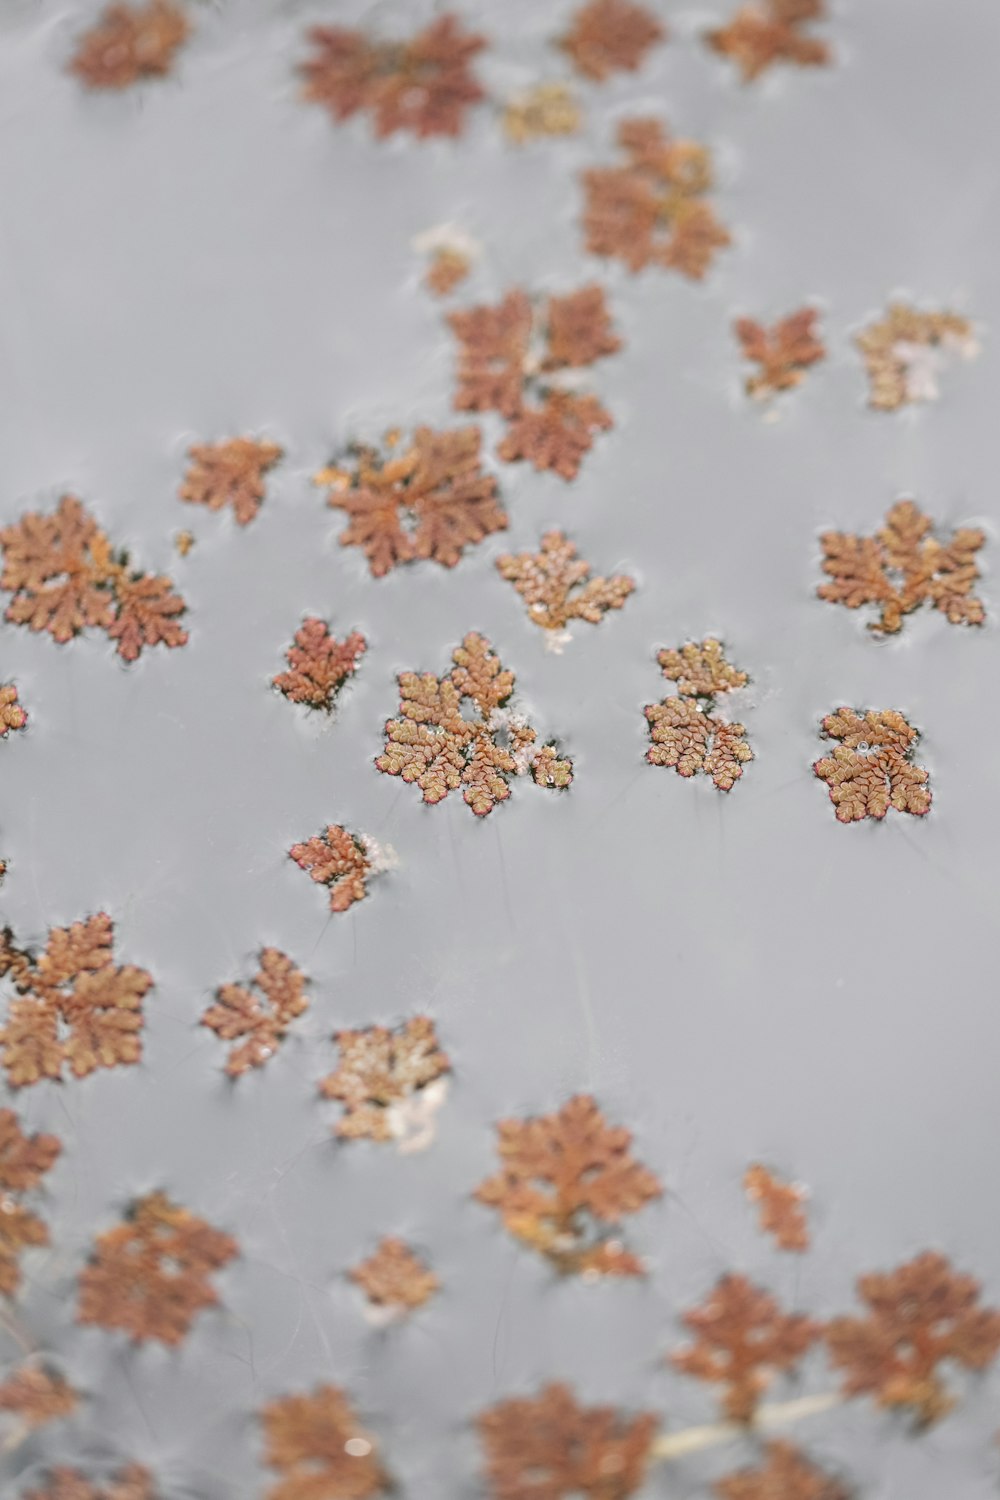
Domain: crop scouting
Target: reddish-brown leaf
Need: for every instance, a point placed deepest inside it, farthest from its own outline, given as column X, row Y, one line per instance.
column 920, row 1316
column 35, row 1396
column 784, row 352
column 652, row 210
column 780, row 1208
column 565, row 1181
column 393, row 1277
column 340, row 860
column 65, row 577
column 129, row 42
column 150, row 1274
column 230, row 473
column 548, row 1447
column 557, row 585
column 904, row 352
column 902, row 567
column 319, row 664
column 75, row 1007
column 610, row 36
column 24, row 1161
column 685, row 731
column 258, row 1017
column 430, row 501
column 742, row 1339
column 320, row 1449
column 871, row 768
column 133, row 1482
column 424, row 85
column 765, row 32
column 458, row 730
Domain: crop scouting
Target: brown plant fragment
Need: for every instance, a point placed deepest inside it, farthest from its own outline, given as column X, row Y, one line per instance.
column 557, row 585
column 129, row 42
column 424, row 85
column 12, row 716
column 779, row 1207
column 565, row 1180
column 150, row 1274
column 902, row 567
column 184, row 541
column 742, row 1339
column 919, row 1316
column 784, row 351
column 547, row 109
column 24, row 1161
column 784, row 1474
column 458, row 731
column 518, row 353
column 432, row 500
column 320, row 1449
column 653, row 209
column 904, row 352
column 447, row 269
column 133, row 1482
column 319, row 664
column 75, row 1008
column 393, row 1277
column 340, row 860
column 610, row 36
column 549, row 1447
column 230, row 473
column 380, row 1076
column 685, row 731
column 64, row 577
column 258, row 1017
column 766, row 32
column 35, row 1396
column 872, row 769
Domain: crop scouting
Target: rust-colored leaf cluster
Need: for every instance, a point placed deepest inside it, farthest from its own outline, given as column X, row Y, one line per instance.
column 549, row 1447
column 920, row 1316
column 742, row 1339
column 424, row 85
column 765, row 32
column 256, row 1017
column 784, row 351
column 129, row 42
column 393, row 1277
column 653, row 210
column 871, row 768
column 459, row 731
column 685, row 730
column 780, row 1207
column 340, row 860
column 388, row 1080
column 557, row 586
column 65, row 576
column 230, row 473
column 319, row 664
column 610, row 36
column 566, row 1180
column 430, row 500
column 785, row 1473
column 522, row 360
column 150, row 1274
column 133, row 1482
column 902, row 567
column 547, row 109
column 35, row 1396
column 75, row 1007
column 904, row 353
column 320, row 1449
column 24, row 1161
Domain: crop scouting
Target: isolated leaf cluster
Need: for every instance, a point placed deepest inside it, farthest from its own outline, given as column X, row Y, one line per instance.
column 871, row 767
column 256, row 1017
column 130, row 42
column 685, row 730
column 653, row 210
column 458, row 731
column 610, row 36
column 765, row 32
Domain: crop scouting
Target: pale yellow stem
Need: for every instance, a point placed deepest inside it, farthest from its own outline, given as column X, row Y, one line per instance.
column 695, row 1439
